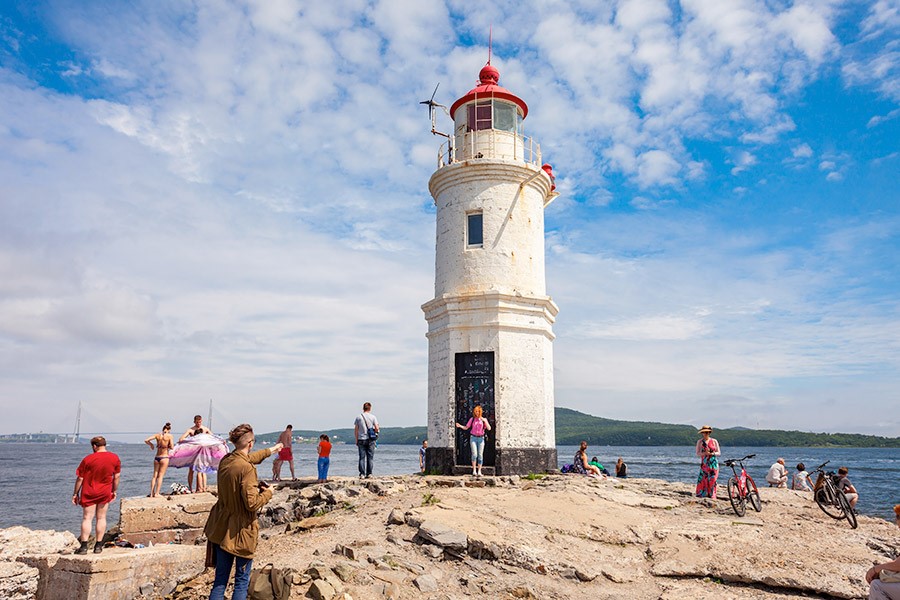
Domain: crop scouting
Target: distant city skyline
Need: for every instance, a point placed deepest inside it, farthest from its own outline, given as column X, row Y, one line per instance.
column 230, row 202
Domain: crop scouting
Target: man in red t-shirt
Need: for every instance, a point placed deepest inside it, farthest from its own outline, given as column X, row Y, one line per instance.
column 95, row 487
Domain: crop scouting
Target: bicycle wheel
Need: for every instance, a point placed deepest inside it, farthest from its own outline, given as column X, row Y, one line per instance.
column 827, row 501
column 848, row 511
column 738, row 502
column 753, row 494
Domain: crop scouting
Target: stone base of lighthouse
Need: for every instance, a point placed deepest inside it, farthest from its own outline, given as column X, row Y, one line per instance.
column 495, row 350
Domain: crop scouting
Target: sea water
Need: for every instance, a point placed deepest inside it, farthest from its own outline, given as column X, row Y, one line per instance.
column 37, row 480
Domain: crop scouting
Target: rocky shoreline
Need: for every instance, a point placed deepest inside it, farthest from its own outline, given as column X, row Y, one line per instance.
column 559, row 536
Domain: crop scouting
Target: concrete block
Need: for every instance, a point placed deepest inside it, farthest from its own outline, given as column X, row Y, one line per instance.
column 165, row 512
column 117, row 573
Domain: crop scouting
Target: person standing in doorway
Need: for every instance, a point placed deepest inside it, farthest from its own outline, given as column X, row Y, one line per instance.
column 477, row 426
column 365, row 430
column 324, row 450
column 232, row 526
column 285, row 455
column 193, row 430
column 708, row 451
column 96, row 485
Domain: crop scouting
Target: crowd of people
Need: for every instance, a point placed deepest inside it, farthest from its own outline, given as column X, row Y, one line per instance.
column 232, row 527
column 708, row 450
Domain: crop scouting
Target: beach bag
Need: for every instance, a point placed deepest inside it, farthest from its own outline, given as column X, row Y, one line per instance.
column 888, row 576
column 566, row 469
column 180, row 488
column 371, row 434
column 270, row 583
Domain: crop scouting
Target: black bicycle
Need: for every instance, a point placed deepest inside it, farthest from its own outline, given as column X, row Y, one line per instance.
column 830, row 499
column 741, row 487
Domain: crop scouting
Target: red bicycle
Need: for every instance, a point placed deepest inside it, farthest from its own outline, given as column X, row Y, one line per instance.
column 741, row 487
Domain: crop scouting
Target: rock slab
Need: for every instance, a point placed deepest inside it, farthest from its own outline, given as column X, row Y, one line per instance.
column 117, row 573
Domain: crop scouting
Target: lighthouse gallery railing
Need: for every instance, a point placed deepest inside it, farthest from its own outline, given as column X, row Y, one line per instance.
column 489, row 143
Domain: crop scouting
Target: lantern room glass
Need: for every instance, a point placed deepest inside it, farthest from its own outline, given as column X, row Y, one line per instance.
column 489, row 114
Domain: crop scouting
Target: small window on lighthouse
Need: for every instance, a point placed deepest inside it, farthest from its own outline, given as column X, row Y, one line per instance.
column 479, row 115
column 504, row 116
column 474, row 230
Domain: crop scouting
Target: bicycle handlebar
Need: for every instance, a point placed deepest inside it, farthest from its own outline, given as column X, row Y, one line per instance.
column 819, row 468
column 731, row 461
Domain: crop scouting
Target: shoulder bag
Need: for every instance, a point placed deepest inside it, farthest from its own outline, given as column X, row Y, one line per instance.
column 371, row 434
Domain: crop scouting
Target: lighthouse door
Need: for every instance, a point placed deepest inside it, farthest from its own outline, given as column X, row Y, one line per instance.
column 475, row 386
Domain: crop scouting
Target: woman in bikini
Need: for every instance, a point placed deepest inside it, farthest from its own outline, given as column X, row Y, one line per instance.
column 161, row 460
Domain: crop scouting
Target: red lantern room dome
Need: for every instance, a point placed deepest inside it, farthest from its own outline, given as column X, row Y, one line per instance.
column 488, row 88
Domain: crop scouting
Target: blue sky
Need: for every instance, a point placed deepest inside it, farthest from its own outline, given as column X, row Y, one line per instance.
column 229, row 200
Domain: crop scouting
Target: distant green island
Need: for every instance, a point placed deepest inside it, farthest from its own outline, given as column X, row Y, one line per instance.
column 572, row 427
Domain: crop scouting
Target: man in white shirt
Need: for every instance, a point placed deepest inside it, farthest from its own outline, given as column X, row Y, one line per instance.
column 777, row 475
column 365, row 442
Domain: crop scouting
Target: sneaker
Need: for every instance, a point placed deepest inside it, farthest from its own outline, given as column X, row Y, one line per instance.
column 82, row 549
column 98, row 548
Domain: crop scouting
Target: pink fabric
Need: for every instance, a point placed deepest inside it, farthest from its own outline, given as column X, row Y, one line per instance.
column 477, row 426
column 201, row 452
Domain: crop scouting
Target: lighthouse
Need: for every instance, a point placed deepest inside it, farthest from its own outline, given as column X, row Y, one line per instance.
column 490, row 324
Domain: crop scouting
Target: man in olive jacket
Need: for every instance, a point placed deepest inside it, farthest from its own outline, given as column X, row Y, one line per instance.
column 232, row 526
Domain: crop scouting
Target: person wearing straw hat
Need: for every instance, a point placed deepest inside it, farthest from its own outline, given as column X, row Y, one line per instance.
column 708, row 451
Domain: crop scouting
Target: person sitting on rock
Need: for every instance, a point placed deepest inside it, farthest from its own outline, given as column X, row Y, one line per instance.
column 621, row 468
column 882, row 587
column 777, row 475
column 581, row 464
column 597, row 464
column 843, row 484
column 801, row 480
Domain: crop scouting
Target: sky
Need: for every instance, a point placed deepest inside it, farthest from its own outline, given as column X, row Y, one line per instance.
column 228, row 201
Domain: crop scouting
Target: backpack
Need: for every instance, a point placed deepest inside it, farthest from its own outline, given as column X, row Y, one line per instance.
column 567, row 469
column 270, row 583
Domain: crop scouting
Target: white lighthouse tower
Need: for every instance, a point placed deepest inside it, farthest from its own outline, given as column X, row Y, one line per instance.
column 490, row 323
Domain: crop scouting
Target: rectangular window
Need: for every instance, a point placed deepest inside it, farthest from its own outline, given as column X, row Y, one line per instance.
column 474, row 230
column 504, row 116
column 479, row 115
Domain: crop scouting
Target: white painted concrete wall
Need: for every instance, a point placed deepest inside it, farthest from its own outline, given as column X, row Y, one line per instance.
column 512, row 257
column 492, row 298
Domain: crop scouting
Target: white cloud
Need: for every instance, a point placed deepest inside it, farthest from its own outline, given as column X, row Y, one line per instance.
column 742, row 161
column 657, row 167
column 879, row 119
column 802, row 151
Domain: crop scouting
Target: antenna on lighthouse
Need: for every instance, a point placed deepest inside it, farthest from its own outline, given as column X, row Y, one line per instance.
column 490, row 42
column 431, row 112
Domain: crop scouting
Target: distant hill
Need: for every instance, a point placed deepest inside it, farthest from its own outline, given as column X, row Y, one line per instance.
column 388, row 435
column 572, row 427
